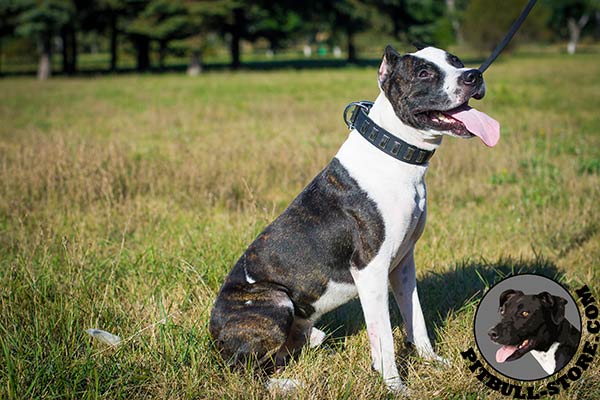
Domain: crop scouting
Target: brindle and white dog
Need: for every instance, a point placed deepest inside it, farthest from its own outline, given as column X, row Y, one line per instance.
column 353, row 229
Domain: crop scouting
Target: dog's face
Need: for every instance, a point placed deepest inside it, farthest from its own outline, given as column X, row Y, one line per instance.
column 429, row 91
column 528, row 322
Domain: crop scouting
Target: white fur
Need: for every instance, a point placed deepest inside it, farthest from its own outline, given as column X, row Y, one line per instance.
column 249, row 279
column 285, row 302
column 337, row 293
column 438, row 57
column 547, row 359
column 399, row 191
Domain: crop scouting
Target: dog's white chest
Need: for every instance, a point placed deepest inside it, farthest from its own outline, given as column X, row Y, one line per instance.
column 547, row 359
column 398, row 191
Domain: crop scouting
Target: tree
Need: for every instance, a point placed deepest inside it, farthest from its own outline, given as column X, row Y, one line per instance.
column 8, row 20
column 574, row 15
column 348, row 17
column 413, row 20
column 487, row 21
column 205, row 19
column 274, row 21
column 237, row 20
column 42, row 20
column 68, row 35
column 454, row 11
column 103, row 16
column 162, row 21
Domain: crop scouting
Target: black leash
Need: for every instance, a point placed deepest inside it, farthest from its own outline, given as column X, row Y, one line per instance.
column 513, row 29
column 382, row 139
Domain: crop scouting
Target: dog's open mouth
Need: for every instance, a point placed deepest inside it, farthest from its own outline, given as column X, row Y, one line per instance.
column 510, row 353
column 464, row 121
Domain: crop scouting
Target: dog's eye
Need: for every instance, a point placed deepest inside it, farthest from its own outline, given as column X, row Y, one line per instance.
column 524, row 313
column 424, row 74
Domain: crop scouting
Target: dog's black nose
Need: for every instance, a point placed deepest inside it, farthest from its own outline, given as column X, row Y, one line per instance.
column 493, row 334
column 472, row 77
column 474, row 80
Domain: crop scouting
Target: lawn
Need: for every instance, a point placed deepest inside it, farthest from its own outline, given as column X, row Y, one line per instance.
column 125, row 200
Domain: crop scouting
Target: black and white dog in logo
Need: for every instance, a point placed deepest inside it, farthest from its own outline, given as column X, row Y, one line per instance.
column 536, row 324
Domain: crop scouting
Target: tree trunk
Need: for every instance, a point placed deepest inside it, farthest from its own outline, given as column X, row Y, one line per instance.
column 351, row 47
column 195, row 67
column 73, row 66
column 69, row 50
column 65, row 50
column 597, row 33
column 575, row 28
column 113, row 42
column 45, row 62
column 162, row 54
column 142, row 47
column 236, row 36
column 454, row 21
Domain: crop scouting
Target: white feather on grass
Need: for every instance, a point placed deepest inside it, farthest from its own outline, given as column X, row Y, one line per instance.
column 106, row 337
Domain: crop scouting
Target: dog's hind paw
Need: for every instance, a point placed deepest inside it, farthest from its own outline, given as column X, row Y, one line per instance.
column 317, row 337
column 283, row 385
column 434, row 358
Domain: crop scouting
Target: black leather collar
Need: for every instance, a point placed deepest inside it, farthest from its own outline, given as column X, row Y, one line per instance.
column 390, row 144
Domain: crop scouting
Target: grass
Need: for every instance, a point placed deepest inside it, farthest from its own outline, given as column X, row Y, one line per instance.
column 125, row 200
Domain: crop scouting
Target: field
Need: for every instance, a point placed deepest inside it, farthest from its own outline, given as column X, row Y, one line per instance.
column 125, row 200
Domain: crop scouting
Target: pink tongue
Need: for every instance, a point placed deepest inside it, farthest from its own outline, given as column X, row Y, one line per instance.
column 478, row 123
column 504, row 352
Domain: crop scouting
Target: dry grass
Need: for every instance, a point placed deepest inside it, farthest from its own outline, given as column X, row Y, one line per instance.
column 125, row 200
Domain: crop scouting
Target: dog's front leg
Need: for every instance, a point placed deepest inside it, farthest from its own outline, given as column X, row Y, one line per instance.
column 403, row 281
column 372, row 285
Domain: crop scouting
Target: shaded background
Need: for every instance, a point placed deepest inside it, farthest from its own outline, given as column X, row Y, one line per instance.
column 74, row 36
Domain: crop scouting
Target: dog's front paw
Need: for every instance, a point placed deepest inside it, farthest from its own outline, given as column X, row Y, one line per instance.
column 395, row 385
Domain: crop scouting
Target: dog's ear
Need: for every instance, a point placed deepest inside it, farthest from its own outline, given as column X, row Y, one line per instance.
column 507, row 294
column 555, row 304
column 420, row 45
column 390, row 59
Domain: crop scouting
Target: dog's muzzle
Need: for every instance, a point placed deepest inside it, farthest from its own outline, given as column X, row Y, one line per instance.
column 473, row 79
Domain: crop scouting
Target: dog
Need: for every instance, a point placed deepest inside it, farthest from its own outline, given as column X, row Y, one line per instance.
column 352, row 231
column 534, row 324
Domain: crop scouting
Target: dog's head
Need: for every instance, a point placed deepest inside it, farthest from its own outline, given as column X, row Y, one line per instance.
column 429, row 90
column 528, row 322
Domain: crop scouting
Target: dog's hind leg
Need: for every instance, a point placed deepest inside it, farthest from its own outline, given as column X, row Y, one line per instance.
column 298, row 336
column 252, row 327
column 404, row 287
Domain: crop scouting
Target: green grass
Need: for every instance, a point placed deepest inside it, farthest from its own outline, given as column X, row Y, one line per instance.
column 125, row 200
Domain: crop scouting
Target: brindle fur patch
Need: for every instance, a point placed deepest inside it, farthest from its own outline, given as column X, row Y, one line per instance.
column 330, row 227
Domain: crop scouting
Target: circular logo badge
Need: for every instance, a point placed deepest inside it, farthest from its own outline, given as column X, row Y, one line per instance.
column 527, row 327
